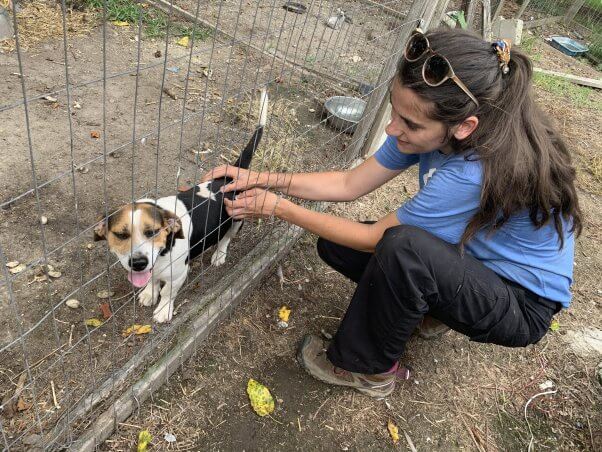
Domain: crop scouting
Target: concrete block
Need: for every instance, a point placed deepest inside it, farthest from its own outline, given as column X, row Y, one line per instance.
column 511, row 29
column 6, row 25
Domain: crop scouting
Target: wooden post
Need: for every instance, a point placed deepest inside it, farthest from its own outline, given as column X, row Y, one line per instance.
column 486, row 25
column 365, row 132
column 498, row 10
column 522, row 9
column 573, row 10
column 439, row 12
column 470, row 13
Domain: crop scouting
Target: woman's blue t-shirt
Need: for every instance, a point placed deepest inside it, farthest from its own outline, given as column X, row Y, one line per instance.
column 449, row 196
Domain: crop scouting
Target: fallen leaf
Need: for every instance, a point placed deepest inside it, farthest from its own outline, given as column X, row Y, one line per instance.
column 356, row 58
column 94, row 323
column 555, row 325
column 393, row 431
column 158, row 54
column 55, row 274
column 17, row 269
column 12, row 264
column 50, row 99
column 262, row 401
column 137, row 329
column 22, row 405
column 144, row 437
column 43, row 219
column 105, row 309
column 183, row 41
column 72, row 303
column 284, row 313
column 120, row 23
column 104, row 294
column 77, row 105
column 95, row 134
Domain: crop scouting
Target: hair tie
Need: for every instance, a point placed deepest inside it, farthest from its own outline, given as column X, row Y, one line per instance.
column 502, row 50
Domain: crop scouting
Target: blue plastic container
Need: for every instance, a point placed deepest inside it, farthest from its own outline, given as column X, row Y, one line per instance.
column 568, row 46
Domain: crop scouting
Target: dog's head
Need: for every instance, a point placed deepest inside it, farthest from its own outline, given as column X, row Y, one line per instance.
column 137, row 234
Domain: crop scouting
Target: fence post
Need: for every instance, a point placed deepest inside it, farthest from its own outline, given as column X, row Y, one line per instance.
column 522, row 9
column 573, row 10
column 375, row 114
column 486, row 25
column 498, row 10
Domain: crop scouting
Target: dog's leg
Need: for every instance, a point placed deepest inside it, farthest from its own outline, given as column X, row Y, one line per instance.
column 150, row 294
column 219, row 257
column 164, row 311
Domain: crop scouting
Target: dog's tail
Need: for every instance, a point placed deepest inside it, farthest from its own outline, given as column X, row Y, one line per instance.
column 244, row 161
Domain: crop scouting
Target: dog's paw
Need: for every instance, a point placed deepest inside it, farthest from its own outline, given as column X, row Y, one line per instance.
column 218, row 258
column 163, row 313
column 148, row 297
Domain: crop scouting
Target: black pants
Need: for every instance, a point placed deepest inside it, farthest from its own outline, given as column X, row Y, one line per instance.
column 412, row 273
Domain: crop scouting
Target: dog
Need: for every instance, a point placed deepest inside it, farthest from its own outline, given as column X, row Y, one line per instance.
column 155, row 240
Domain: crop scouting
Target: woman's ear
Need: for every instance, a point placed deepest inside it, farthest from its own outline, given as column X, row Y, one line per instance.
column 466, row 128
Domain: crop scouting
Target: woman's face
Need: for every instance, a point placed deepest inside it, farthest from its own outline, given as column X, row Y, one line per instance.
column 416, row 133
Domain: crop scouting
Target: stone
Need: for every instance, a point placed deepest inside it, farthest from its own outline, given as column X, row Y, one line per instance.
column 511, row 29
column 6, row 24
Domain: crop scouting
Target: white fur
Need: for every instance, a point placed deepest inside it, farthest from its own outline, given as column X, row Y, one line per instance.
column 219, row 256
column 205, row 192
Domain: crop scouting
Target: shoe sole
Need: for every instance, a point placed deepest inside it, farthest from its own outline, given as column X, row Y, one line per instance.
column 369, row 392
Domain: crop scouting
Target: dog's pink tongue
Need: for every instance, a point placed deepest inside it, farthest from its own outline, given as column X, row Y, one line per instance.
column 139, row 279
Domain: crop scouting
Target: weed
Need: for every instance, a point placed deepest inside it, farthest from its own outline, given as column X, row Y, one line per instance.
column 579, row 96
column 155, row 21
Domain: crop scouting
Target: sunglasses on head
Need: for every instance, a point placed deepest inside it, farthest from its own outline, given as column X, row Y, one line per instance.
column 436, row 68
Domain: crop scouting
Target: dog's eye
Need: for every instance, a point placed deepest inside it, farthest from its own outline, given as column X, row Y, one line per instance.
column 121, row 235
column 150, row 234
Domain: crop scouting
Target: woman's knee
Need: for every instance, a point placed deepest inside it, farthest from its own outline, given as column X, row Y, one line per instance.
column 324, row 248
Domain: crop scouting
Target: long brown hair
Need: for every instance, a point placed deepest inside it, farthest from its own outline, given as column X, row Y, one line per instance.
column 526, row 164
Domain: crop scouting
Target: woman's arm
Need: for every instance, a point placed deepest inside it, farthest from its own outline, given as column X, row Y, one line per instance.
column 327, row 186
column 257, row 203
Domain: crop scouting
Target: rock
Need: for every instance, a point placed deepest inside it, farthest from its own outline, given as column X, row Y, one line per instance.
column 72, row 303
column 6, row 25
column 32, row 439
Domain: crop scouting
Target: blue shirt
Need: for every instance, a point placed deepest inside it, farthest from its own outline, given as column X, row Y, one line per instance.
column 449, row 196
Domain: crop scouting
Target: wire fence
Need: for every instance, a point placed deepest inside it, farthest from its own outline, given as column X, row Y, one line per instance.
column 111, row 101
column 580, row 20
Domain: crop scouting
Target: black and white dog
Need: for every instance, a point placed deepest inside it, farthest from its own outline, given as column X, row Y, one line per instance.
column 155, row 239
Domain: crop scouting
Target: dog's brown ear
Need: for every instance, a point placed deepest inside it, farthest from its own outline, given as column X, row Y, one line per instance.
column 100, row 230
column 174, row 224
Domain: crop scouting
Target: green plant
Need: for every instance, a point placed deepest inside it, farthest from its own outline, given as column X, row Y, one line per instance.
column 580, row 96
column 155, row 21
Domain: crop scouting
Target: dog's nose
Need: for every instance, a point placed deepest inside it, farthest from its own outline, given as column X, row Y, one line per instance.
column 138, row 263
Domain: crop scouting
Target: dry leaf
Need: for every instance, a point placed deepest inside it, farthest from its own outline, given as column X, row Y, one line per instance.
column 50, row 99
column 555, row 325
column 104, row 294
column 260, row 397
column 43, row 219
column 137, row 329
column 55, row 274
column 12, row 264
column 95, row 134
column 183, row 41
column 94, row 323
column 22, row 405
column 105, row 309
column 18, row 269
column 72, row 303
column 120, row 23
column 284, row 313
column 393, row 431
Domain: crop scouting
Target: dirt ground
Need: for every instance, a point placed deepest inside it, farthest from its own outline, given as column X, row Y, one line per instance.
column 460, row 395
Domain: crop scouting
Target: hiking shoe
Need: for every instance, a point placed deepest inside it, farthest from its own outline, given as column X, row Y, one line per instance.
column 431, row 328
column 312, row 357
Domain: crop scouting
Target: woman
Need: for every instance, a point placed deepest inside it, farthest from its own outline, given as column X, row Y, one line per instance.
column 486, row 245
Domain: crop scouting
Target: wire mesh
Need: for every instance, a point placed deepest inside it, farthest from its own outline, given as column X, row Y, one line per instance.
column 143, row 102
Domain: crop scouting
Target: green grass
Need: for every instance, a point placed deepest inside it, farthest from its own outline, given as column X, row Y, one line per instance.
column 579, row 96
column 154, row 21
column 528, row 46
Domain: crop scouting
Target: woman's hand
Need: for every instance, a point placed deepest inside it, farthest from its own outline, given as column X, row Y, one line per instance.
column 243, row 179
column 255, row 203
